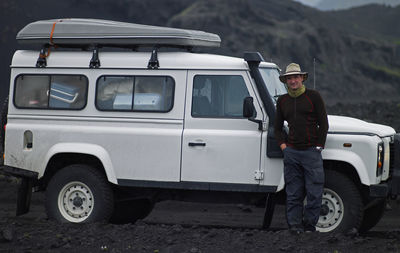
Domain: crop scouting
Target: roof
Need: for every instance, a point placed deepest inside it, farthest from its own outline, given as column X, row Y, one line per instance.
column 134, row 60
column 78, row 32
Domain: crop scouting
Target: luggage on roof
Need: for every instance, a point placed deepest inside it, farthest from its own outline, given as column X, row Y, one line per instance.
column 80, row 32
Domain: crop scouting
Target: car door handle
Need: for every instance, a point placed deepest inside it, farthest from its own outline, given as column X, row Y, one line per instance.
column 192, row 144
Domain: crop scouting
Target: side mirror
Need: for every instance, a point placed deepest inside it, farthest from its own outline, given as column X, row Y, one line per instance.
column 248, row 108
column 249, row 112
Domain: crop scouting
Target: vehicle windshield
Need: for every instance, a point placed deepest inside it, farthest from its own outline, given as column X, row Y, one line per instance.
column 271, row 79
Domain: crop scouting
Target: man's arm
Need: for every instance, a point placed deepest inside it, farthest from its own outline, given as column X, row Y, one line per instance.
column 322, row 119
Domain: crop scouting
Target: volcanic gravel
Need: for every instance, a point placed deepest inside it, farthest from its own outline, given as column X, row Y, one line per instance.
column 181, row 227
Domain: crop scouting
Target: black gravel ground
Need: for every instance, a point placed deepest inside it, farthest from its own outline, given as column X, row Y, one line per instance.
column 181, row 227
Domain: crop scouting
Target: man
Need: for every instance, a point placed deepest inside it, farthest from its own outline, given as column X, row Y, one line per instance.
column 304, row 110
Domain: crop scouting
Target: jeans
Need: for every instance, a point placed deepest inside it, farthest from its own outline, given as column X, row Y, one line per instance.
column 304, row 176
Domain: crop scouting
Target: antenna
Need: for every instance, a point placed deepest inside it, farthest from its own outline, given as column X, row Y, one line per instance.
column 314, row 74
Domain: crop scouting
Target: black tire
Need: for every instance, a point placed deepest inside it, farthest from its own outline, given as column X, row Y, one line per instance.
column 129, row 211
column 79, row 193
column 342, row 207
column 372, row 216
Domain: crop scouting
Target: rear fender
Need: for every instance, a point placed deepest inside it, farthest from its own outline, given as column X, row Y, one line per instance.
column 82, row 148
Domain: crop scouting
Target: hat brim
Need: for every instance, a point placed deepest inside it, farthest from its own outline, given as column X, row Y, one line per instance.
column 284, row 76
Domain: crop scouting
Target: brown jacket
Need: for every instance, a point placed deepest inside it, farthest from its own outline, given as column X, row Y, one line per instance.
column 306, row 117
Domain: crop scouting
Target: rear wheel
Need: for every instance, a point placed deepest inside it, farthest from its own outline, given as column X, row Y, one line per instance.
column 79, row 193
column 342, row 207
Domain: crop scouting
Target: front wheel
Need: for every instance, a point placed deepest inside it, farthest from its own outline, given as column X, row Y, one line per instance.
column 342, row 207
column 79, row 193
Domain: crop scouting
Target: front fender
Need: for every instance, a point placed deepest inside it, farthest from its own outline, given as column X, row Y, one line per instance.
column 82, row 148
column 351, row 158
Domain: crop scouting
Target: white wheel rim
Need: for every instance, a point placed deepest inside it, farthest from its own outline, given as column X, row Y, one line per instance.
column 334, row 211
column 75, row 202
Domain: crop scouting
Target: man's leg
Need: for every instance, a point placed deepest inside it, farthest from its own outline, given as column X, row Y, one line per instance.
column 314, row 184
column 294, row 181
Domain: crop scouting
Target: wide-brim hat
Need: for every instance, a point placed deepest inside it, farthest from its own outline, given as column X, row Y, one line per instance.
column 293, row 69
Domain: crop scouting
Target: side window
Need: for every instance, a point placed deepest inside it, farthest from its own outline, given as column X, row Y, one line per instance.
column 114, row 93
column 51, row 91
column 218, row 96
column 135, row 93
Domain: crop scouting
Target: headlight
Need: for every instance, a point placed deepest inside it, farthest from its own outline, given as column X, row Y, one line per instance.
column 381, row 154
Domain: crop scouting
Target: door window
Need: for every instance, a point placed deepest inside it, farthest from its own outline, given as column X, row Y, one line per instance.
column 218, row 96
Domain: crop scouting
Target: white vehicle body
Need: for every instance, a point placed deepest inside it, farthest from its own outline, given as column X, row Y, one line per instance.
column 158, row 142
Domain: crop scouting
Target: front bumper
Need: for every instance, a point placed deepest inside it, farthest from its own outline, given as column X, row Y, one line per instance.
column 25, row 185
column 394, row 182
column 379, row 190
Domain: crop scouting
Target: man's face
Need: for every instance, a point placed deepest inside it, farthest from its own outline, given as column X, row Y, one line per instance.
column 294, row 81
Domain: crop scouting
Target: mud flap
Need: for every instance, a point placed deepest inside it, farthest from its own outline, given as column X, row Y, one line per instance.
column 24, row 195
column 26, row 182
column 269, row 210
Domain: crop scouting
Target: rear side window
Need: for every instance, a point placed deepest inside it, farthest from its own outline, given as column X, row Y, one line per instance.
column 51, row 91
column 135, row 93
column 218, row 96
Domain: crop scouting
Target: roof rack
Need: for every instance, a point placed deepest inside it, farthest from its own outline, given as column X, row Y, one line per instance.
column 95, row 33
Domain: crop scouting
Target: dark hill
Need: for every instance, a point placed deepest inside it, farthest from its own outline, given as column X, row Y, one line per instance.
column 357, row 51
column 376, row 21
column 346, row 4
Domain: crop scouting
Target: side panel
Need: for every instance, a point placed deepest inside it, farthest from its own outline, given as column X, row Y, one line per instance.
column 140, row 145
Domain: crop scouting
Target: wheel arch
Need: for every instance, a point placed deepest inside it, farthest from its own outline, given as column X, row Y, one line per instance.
column 350, row 171
column 345, row 168
column 64, row 154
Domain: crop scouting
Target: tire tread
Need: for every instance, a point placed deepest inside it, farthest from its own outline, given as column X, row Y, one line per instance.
column 344, row 186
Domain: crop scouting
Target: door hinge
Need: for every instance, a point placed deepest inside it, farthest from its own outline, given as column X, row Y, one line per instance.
column 258, row 175
column 264, row 126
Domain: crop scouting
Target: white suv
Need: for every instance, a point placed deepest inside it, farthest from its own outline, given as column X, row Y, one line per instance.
column 110, row 139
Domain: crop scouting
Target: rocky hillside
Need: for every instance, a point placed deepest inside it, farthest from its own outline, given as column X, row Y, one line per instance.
column 386, row 113
column 345, row 4
column 357, row 51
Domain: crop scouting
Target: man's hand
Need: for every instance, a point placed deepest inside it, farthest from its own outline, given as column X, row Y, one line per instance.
column 283, row 146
